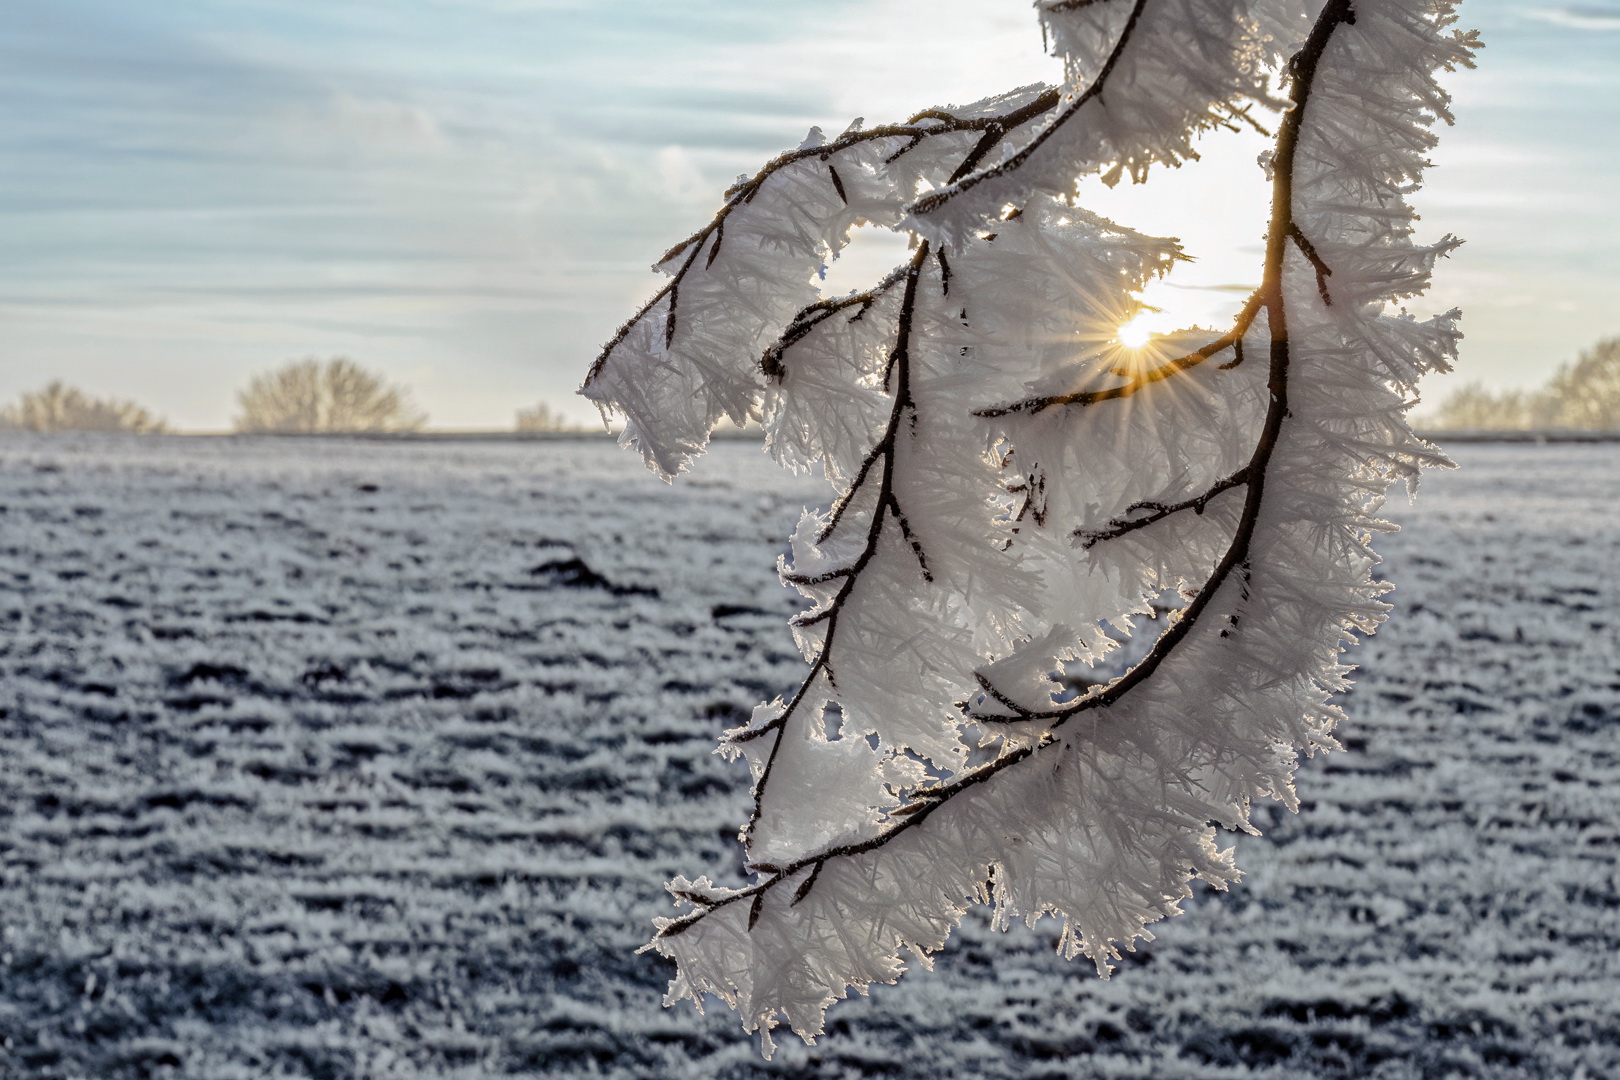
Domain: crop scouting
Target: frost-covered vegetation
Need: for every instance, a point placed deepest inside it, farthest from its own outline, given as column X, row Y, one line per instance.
column 1583, row 395
column 338, row 760
column 1017, row 485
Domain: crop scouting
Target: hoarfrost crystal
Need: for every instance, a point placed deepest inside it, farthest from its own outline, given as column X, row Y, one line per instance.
column 1016, row 485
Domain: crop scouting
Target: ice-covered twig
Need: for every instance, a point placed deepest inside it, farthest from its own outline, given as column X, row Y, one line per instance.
column 914, row 131
column 965, row 179
column 1137, row 381
column 926, row 800
column 1302, row 72
column 886, row 506
column 1158, row 511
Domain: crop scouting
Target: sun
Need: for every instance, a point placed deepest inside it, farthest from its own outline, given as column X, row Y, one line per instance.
column 1138, row 332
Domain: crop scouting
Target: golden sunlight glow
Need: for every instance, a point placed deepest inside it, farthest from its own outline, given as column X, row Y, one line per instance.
column 1167, row 308
column 1137, row 332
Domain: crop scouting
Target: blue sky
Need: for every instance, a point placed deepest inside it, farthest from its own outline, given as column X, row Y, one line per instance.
column 466, row 194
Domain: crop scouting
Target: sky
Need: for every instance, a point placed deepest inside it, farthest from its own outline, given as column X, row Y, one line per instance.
column 466, row 195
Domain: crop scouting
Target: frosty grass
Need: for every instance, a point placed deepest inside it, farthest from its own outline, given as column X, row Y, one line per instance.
column 352, row 759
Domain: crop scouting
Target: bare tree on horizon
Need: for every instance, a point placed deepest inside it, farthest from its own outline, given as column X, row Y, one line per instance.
column 1581, row 396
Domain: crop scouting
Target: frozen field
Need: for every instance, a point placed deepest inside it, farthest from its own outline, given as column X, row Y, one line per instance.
column 359, row 759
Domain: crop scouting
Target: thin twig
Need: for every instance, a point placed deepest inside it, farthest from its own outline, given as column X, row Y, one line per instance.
column 1237, row 356
column 714, row 249
column 1308, row 249
column 887, row 503
column 910, row 538
column 844, row 500
column 1124, row 524
column 1231, row 339
column 811, row 316
column 1033, row 488
column 809, row 883
column 965, row 180
column 1244, row 115
column 838, row 183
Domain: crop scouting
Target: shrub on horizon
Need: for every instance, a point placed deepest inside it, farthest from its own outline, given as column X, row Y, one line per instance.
column 60, row 407
column 1473, row 407
column 309, row 397
column 542, row 417
column 1586, row 394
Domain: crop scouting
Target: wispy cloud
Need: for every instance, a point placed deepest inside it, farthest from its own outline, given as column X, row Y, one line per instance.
column 1578, row 18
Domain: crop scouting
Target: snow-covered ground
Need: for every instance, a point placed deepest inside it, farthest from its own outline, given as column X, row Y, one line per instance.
column 369, row 759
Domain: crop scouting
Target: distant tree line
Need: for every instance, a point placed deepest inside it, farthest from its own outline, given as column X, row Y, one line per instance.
column 338, row 395
column 302, row 397
column 1584, row 395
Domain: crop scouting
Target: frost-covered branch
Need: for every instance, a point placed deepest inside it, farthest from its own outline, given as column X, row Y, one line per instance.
column 887, row 506
column 935, row 754
column 965, row 179
column 819, row 190
column 1271, row 295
